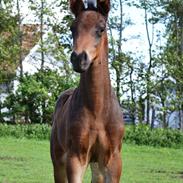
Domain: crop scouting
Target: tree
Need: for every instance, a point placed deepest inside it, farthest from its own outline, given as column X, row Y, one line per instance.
column 117, row 24
column 8, row 42
column 59, row 39
column 149, row 65
column 20, row 34
column 35, row 98
column 42, row 12
column 171, row 15
column 55, row 37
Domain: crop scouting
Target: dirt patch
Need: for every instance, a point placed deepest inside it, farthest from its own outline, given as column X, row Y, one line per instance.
column 173, row 174
column 10, row 158
column 180, row 174
column 159, row 171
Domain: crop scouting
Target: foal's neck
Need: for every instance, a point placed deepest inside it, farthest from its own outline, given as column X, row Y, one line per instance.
column 95, row 86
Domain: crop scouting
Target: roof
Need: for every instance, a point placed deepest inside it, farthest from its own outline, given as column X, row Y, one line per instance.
column 31, row 35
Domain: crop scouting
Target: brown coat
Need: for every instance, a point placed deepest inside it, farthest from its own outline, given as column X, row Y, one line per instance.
column 87, row 124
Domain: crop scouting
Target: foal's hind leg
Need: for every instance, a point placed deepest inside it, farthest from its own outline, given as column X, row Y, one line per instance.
column 97, row 176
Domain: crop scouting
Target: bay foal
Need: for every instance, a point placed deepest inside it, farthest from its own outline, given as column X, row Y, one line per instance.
column 87, row 124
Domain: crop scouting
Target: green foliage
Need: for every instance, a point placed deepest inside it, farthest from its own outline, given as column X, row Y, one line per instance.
column 41, row 132
column 144, row 135
column 139, row 135
column 9, row 48
column 35, row 98
column 173, row 51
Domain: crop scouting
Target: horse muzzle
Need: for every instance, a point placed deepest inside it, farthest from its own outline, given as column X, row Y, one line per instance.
column 80, row 62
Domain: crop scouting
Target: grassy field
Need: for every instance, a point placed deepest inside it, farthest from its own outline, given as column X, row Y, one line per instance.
column 28, row 161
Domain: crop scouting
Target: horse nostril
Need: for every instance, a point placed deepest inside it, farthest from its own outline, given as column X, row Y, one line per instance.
column 79, row 57
column 74, row 56
column 84, row 55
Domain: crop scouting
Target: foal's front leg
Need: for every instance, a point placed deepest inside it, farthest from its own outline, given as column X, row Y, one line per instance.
column 60, row 174
column 75, row 169
column 113, row 169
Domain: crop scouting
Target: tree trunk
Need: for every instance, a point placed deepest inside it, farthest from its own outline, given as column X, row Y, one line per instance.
column 41, row 34
column 181, row 118
column 164, row 120
column 43, row 117
column 141, row 109
column 118, row 86
column 148, row 75
column 120, row 27
column 1, row 117
column 181, row 40
column 20, row 40
column 132, row 96
column 147, row 109
column 116, row 53
column 153, row 117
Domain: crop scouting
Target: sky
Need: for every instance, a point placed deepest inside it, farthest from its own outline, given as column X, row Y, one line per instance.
column 139, row 44
column 136, row 45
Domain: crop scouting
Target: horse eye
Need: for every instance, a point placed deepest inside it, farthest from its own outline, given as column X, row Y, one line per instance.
column 99, row 31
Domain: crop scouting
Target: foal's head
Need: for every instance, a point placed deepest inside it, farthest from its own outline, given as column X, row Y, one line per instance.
column 88, row 32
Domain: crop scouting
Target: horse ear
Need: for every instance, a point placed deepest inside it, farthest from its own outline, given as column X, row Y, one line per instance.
column 76, row 6
column 103, row 6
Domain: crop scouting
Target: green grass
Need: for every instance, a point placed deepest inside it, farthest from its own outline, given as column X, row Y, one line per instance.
column 28, row 161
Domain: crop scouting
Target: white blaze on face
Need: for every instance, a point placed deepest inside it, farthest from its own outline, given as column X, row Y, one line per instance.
column 86, row 2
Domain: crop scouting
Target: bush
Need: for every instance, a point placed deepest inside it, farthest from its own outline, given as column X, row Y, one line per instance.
column 144, row 135
column 36, row 131
column 139, row 135
column 36, row 95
